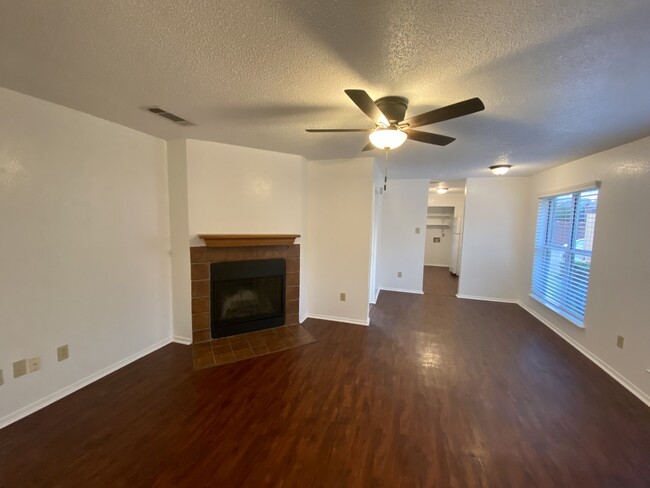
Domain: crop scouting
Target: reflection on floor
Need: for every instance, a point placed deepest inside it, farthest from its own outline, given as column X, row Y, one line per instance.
column 439, row 281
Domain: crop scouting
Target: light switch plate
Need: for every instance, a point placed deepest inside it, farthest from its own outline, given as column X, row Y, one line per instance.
column 20, row 368
column 417, row 230
column 62, row 353
column 399, row 274
column 342, row 297
column 2, row 378
column 620, row 340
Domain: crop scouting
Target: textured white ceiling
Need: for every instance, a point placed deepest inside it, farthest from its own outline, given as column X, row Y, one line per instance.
column 560, row 79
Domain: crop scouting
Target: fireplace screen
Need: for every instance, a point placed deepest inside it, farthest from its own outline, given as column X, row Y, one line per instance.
column 247, row 296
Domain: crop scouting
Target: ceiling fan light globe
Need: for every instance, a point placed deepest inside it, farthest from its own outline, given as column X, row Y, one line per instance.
column 441, row 190
column 387, row 138
column 500, row 169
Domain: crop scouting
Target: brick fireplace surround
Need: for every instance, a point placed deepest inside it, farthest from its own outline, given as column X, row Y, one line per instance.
column 202, row 257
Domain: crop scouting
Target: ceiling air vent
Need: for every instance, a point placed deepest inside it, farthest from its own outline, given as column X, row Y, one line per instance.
column 167, row 115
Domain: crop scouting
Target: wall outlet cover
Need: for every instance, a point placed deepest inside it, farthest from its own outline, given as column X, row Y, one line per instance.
column 20, row 368
column 34, row 364
column 436, row 239
column 2, row 378
column 62, row 353
column 417, row 230
column 399, row 274
column 342, row 297
column 620, row 340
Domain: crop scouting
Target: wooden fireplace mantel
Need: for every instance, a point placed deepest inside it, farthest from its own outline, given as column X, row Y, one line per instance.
column 248, row 240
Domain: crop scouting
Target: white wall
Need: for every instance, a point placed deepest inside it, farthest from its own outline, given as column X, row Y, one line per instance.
column 378, row 182
column 84, row 248
column 339, row 237
column 404, row 208
column 493, row 233
column 619, row 287
column 179, row 231
column 439, row 253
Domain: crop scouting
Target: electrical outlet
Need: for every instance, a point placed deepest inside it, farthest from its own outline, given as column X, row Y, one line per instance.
column 62, row 353
column 342, row 297
column 417, row 230
column 20, row 368
column 399, row 274
column 34, row 364
column 436, row 239
column 620, row 340
column 2, row 378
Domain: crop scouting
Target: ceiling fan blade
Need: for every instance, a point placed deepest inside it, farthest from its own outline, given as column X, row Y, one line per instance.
column 368, row 147
column 367, row 105
column 429, row 138
column 340, row 130
column 446, row 113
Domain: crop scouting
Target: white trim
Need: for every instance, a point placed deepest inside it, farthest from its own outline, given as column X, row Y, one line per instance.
column 587, row 353
column 182, row 340
column 77, row 385
column 338, row 319
column 403, row 290
column 302, row 318
column 437, row 265
column 487, row 299
column 590, row 185
column 373, row 301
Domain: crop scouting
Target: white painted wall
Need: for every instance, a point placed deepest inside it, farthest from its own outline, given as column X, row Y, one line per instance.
column 493, row 235
column 619, row 289
column 84, row 248
column 339, row 238
column 378, row 198
column 179, row 231
column 404, row 208
column 238, row 190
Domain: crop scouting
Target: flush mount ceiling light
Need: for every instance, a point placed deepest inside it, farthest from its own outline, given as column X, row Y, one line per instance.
column 500, row 169
column 387, row 138
column 441, row 190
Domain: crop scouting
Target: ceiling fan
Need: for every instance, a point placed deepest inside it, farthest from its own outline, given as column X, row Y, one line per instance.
column 392, row 129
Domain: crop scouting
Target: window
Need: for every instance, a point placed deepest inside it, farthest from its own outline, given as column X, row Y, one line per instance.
column 563, row 243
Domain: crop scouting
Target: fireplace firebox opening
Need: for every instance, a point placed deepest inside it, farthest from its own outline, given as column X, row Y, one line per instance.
column 246, row 296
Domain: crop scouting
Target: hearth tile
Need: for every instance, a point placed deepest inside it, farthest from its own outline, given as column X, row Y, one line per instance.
column 199, row 255
column 202, row 349
column 200, row 288
column 201, row 321
column 244, row 353
column 201, row 335
column 260, row 349
column 256, row 341
column 293, row 279
column 200, row 305
column 200, row 271
column 292, row 307
column 293, row 292
column 293, row 265
column 224, row 358
column 221, row 346
column 292, row 319
column 276, row 345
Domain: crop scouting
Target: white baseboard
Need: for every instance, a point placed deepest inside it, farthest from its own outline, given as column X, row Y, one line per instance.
column 587, row 353
column 182, row 340
column 437, row 265
column 373, row 300
column 403, row 290
column 487, row 299
column 302, row 318
column 339, row 319
column 77, row 385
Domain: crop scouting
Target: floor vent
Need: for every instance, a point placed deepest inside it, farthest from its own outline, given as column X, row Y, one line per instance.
column 167, row 115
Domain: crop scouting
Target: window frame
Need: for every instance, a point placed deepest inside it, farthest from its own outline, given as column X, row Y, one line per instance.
column 569, row 280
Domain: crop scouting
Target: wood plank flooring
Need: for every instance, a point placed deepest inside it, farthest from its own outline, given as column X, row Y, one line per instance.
column 439, row 281
column 438, row 392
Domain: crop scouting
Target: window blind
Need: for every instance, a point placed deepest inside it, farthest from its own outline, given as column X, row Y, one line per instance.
column 563, row 243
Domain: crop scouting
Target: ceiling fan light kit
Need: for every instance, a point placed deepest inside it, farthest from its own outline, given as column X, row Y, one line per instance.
column 500, row 169
column 442, row 191
column 392, row 128
column 387, row 138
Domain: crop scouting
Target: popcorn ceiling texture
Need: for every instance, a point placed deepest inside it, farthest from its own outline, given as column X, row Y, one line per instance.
column 560, row 80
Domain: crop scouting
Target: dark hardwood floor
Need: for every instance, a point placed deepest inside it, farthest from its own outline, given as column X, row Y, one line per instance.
column 438, row 392
column 439, row 281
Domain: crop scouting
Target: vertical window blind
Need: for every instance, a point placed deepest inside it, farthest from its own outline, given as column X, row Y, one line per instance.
column 563, row 242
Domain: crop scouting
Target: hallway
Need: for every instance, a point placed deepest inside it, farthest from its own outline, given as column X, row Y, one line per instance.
column 439, row 281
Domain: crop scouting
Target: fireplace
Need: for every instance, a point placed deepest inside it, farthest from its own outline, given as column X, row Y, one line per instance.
column 246, row 296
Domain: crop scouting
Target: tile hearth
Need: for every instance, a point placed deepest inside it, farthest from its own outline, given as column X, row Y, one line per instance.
column 244, row 346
